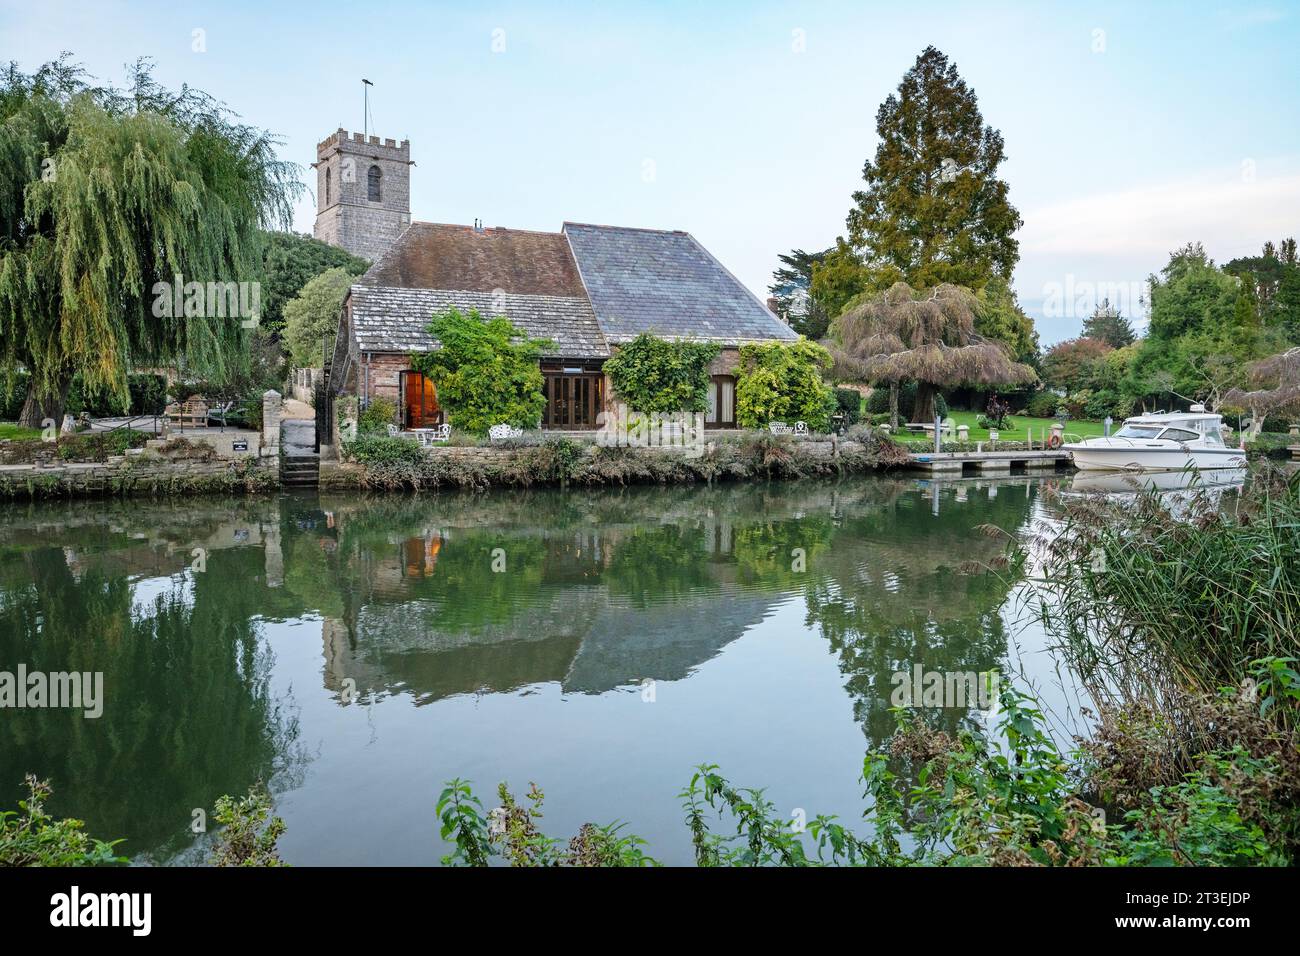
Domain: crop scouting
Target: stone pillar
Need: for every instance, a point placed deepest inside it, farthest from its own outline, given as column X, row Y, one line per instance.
column 272, row 412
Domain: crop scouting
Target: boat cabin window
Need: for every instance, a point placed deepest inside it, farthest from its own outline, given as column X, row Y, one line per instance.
column 1138, row 431
column 1213, row 436
column 1179, row 434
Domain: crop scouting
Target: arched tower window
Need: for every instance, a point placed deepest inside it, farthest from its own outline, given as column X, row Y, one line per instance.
column 372, row 184
column 327, row 186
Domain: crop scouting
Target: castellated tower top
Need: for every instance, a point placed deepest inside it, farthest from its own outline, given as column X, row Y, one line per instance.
column 363, row 192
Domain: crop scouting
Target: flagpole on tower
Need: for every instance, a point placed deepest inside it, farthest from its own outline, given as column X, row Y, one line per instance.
column 365, row 119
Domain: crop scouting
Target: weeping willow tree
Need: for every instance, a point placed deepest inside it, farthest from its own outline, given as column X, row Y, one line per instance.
column 105, row 193
column 1278, row 378
column 926, row 336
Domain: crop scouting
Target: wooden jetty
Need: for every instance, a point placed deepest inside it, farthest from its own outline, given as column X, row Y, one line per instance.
column 954, row 464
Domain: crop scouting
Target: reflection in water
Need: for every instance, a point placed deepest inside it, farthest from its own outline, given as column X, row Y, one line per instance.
column 1119, row 482
column 498, row 635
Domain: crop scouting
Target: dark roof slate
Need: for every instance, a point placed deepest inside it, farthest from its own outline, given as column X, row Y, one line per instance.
column 431, row 255
column 387, row 319
column 646, row 280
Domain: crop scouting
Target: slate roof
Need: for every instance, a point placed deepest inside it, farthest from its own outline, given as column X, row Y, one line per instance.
column 388, row 319
column 646, row 280
column 585, row 289
column 434, row 255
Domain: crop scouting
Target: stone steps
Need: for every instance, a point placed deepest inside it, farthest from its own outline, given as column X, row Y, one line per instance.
column 300, row 471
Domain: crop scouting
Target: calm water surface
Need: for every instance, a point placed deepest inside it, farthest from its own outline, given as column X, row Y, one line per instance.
column 357, row 653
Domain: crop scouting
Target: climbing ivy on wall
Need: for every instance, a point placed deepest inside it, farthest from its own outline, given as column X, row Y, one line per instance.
column 651, row 374
column 780, row 381
column 486, row 372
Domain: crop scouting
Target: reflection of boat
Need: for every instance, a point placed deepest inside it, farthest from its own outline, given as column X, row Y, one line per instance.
column 1110, row 482
column 1168, row 441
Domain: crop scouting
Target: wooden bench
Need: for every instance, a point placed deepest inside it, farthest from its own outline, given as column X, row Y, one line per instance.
column 192, row 413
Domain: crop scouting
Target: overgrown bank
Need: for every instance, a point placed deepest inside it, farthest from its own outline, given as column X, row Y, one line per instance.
column 383, row 463
column 140, row 477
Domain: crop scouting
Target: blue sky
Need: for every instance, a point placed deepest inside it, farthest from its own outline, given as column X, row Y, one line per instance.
column 1130, row 128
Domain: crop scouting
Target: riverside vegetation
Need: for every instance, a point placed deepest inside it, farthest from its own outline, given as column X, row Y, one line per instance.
column 1181, row 622
column 396, row 463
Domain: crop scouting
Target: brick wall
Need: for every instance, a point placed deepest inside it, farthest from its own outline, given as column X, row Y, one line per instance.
column 385, row 375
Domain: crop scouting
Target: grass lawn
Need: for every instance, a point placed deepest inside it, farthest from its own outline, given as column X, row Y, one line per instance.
column 1016, row 429
column 11, row 430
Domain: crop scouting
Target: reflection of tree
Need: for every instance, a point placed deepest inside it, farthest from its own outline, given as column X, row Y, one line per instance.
column 599, row 589
column 187, row 713
column 658, row 564
column 889, row 597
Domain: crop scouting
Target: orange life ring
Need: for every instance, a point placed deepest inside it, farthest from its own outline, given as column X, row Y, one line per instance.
column 1054, row 442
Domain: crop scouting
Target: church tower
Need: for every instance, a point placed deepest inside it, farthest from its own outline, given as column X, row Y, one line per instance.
column 363, row 192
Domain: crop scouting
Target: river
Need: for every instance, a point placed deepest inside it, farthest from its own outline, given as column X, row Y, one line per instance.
column 356, row 653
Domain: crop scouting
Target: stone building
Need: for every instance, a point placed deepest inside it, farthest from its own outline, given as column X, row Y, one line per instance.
column 587, row 288
column 363, row 192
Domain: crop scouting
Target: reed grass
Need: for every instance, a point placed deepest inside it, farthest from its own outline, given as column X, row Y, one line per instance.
column 1153, row 598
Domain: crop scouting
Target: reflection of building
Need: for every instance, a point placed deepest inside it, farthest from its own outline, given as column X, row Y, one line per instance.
column 569, row 629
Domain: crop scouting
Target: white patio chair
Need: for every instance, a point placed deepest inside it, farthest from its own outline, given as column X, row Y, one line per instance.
column 801, row 429
column 498, row 432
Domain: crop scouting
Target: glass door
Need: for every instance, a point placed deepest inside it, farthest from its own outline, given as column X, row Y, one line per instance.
column 573, row 401
column 721, row 412
column 419, row 402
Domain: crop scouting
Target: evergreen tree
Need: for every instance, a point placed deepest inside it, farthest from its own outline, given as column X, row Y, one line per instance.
column 792, row 289
column 1286, row 305
column 1107, row 325
column 934, row 210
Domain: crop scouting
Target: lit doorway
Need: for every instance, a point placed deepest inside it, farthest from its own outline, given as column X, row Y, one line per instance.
column 419, row 402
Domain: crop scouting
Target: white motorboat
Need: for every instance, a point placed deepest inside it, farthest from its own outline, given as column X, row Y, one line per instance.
column 1165, row 441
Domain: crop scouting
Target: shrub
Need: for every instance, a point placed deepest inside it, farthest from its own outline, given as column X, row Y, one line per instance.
column 1104, row 402
column 1270, row 445
column 1076, row 404
column 148, row 394
column 31, row 837
column 486, row 372
column 849, row 403
column 940, row 405
column 1042, row 405
column 182, row 447
column 782, row 382
column 249, row 833
column 377, row 416
column 13, row 393
column 513, row 835
column 653, row 375
column 98, row 446
column 995, row 415
column 878, row 402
